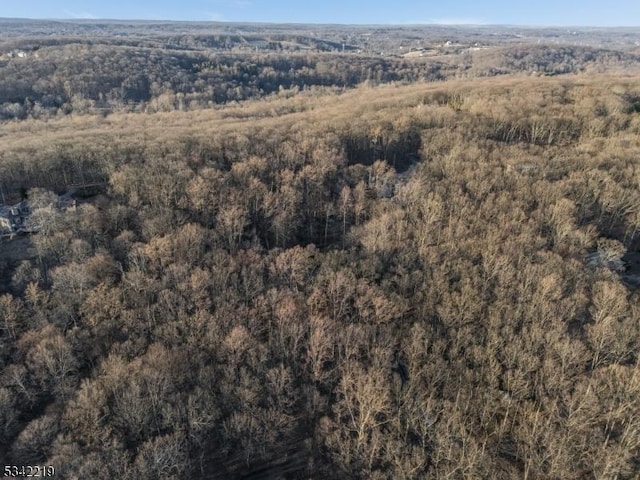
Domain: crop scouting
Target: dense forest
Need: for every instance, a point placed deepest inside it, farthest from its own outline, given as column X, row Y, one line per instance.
column 104, row 68
column 81, row 79
column 405, row 280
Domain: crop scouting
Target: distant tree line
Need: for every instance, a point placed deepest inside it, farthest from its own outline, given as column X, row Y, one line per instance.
column 105, row 75
column 91, row 79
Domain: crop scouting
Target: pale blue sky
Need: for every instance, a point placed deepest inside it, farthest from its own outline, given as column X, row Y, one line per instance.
column 541, row 12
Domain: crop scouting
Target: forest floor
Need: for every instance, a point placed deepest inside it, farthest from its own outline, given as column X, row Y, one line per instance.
column 17, row 249
column 632, row 274
column 12, row 252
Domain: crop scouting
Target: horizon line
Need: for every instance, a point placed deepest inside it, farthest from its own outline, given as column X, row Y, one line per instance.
column 257, row 22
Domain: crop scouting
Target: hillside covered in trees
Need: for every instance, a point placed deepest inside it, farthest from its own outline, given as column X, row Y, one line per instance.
column 55, row 68
column 341, row 278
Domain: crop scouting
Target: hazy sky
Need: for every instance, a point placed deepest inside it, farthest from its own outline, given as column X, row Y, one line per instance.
column 540, row 12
